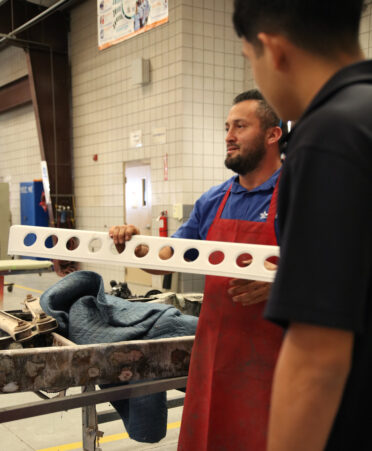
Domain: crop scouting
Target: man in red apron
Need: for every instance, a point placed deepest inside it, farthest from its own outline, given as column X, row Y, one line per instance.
column 235, row 350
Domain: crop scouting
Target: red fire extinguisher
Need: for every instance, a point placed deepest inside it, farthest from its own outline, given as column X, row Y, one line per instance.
column 163, row 218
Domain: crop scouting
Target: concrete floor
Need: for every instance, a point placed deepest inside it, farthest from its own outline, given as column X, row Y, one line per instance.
column 62, row 431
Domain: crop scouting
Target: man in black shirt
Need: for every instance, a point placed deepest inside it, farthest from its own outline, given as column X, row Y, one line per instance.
column 307, row 61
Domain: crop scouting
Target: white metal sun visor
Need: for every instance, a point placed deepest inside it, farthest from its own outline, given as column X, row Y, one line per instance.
column 244, row 261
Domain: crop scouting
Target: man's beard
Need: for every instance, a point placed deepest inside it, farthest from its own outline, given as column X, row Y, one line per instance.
column 243, row 164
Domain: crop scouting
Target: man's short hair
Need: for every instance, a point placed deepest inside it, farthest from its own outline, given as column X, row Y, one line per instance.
column 265, row 113
column 324, row 27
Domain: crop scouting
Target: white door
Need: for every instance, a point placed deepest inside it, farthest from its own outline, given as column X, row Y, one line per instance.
column 137, row 189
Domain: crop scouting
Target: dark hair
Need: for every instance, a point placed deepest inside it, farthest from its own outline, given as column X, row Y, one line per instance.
column 320, row 26
column 266, row 114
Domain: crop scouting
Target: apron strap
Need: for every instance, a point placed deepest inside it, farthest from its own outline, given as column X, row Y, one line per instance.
column 222, row 204
column 273, row 203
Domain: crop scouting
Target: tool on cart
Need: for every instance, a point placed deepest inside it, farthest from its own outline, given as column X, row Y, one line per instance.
column 42, row 322
column 121, row 290
column 17, row 328
column 20, row 329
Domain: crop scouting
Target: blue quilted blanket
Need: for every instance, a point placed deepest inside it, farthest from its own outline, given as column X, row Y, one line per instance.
column 86, row 314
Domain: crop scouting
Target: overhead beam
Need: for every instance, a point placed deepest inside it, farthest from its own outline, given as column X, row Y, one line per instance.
column 15, row 94
column 50, row 92
column 25, row 24
column 38, row 18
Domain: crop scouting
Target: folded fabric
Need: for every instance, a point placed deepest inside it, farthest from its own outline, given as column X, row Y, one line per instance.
column 86, row 314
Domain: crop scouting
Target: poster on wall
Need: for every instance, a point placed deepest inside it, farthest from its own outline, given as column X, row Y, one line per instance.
column 122, row 19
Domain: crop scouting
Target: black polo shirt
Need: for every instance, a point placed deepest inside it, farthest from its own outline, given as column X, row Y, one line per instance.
column 325, row 224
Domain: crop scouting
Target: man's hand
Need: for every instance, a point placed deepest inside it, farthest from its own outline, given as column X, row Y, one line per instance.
column 121, row 234
column 248, row 292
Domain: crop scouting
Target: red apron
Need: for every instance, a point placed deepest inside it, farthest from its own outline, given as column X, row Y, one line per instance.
column 233, row 358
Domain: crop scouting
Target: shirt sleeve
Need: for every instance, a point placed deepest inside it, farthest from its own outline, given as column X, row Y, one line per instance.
column 325, row 265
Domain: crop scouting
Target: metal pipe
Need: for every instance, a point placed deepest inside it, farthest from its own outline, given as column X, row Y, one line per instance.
column 34, row 20
column 37, row 18
column 85, row 399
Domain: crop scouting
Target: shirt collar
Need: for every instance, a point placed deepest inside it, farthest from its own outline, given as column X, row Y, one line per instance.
column 265, row 186
column 354, row 73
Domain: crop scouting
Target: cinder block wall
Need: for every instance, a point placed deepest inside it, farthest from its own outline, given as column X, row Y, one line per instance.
column 196, row 70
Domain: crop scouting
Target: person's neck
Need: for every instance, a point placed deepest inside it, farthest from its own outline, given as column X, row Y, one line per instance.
column 309, row 82
column 259, row 176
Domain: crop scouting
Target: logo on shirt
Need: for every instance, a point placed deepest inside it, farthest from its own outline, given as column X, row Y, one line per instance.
column 263, row 215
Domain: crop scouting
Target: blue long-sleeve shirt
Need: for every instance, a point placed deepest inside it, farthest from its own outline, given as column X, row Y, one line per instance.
column 242, row 204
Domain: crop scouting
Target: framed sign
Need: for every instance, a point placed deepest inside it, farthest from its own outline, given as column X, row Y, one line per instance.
column 122, row 19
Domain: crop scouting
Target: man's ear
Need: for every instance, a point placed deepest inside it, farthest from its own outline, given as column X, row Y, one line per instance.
column 273, row 134
column 277, row 47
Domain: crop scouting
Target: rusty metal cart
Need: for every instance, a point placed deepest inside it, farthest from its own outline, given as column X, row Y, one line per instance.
column 162, row 364
column 52, row 363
